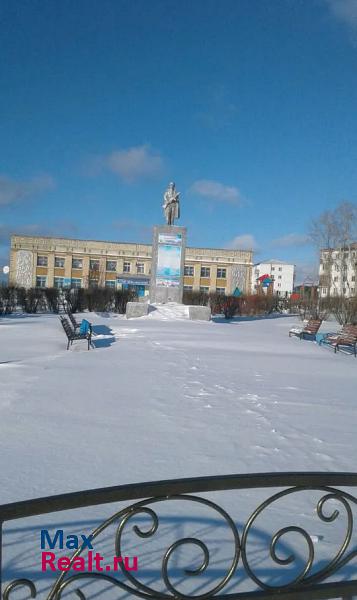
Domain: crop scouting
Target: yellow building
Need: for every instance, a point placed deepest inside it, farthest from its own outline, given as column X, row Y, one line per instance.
column 60, row 262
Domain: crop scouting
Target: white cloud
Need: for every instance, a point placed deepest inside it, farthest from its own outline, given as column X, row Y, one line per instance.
column 135, row 163
column 291, row 239
column 244, row 242
column 216, row 191
column 12, row 191
column 345, row 11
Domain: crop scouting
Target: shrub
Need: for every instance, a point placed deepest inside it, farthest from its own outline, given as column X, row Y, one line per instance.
column 31, row 300
column 230, row 306
column 196, row 298
column 53, row 299
column 7, row 300
column 343, row 309
column 121, row 298
column 75, row 299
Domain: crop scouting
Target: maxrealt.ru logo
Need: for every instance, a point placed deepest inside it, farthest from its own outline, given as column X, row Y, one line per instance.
column 91, row 561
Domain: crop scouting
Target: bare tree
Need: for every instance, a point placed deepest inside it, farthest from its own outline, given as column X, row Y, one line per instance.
column 323, row 231
column 331, row 231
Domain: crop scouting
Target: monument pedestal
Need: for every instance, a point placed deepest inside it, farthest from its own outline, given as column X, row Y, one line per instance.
column 167, row 266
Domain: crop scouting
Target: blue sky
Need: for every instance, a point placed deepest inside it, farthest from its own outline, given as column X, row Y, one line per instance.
column 248, row 105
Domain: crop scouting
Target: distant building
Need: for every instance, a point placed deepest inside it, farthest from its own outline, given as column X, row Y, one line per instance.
column 305, row 291
column 59, row 262
column 279, row 277
column 338, row 271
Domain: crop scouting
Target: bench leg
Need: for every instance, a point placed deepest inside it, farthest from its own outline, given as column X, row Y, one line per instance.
column 68, row 345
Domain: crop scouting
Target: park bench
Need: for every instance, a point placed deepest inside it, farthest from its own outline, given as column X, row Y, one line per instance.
column 311, row 328
column 74, row 322
column 346, row 337
column 72, row 335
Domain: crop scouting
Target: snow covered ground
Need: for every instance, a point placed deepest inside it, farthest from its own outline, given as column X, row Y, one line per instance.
column 162, row 397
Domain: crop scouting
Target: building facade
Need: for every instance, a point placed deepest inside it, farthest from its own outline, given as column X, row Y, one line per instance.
column 59, row 262
column 338, row 272
column 281, row 275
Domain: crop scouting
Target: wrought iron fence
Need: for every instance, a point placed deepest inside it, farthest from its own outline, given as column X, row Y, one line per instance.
column 310, row 579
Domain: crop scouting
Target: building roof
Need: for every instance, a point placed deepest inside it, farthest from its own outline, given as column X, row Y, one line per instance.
column 273, row 261
column 231, row 251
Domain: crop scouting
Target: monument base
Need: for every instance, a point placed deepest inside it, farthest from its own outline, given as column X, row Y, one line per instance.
column 199, row 313
column 167, row 265
column 136, row 309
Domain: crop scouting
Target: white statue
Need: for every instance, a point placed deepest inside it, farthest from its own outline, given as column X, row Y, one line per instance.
column 171, row 204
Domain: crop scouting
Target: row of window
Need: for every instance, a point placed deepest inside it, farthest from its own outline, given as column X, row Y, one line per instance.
column 257, row 272
column 206, row 272
column 77, row 263
column 203, row 288
column 61, row 282
column 111, row 266
column 344, row 278
column 336, row 292
column 76, row 282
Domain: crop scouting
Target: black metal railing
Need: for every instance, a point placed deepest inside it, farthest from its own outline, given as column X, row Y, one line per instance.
column 292, row 572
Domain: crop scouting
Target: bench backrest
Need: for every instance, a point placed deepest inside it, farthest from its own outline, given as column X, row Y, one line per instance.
column 349, row 333
column 313, row 325
column 66, row 326
column 72, row 319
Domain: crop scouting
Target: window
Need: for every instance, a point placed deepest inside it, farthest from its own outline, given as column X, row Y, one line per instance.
column 189, row 271
column 76, row 283
column 94, row 265
column 77, row 264
column 187, row 288
column 221, row 273
column 42, row 261
column 205, row 271
column 279, row 276
column 140, row 268
column 335, row 278
column 279, row 284
column 41, row 282
column 126, row 267
column 58, row 282
column 110, row 284
column 273, row 268
column 204, row 288
column 352, row 290
column 111, row 265
column 353, row 278
column 280, row 268
column 59, row 262
column 344, row 278
column 344, row 290
column 221, row 291
column 93, row 283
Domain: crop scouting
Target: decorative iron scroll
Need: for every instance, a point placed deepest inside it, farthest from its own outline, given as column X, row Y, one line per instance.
column 309, row 581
